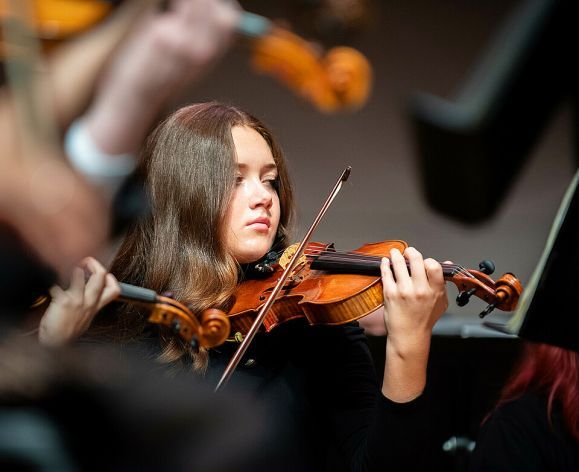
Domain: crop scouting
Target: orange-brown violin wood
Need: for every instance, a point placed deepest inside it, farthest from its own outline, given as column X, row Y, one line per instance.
column 323, row 297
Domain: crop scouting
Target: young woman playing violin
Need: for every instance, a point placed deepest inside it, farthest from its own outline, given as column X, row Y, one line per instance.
column 221, row 199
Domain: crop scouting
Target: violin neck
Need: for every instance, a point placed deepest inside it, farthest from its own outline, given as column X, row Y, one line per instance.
column 137, row 294
column 331, row 263
column 363, row 265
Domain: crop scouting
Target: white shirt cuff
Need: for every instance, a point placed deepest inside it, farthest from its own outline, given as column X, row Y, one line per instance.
column 102, row 169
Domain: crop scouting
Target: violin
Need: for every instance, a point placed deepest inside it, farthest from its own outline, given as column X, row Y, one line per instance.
column 208, row 330
column 324, row 286
column 333, row 80
column 329, row 287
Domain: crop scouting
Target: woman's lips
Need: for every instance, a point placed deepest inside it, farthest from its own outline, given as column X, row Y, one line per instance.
column 260, row 224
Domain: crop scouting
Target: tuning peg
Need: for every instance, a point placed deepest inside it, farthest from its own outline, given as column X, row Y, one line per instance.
column 487, row 310
column 486, row 267
column 464, row 297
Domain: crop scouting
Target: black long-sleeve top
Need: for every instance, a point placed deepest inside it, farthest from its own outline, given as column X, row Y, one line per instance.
column 519, row 436
column 325, row 401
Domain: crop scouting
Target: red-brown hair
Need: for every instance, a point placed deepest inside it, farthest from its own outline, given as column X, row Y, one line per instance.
column 553, row 371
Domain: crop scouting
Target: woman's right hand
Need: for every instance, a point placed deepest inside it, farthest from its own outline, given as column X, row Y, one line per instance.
column 71, row 311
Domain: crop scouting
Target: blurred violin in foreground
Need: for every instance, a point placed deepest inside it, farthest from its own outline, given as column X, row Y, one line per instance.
column 333, row 80
column 209, row 329
column 331, row 287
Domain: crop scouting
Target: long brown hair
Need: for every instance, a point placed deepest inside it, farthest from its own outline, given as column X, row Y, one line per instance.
column 188, row 166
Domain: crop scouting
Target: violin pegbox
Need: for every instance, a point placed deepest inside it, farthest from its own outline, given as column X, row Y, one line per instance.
column 503, row 294
column 171, row 316
column 486, row 267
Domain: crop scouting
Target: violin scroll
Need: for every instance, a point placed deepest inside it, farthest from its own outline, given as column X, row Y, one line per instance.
column 210, row 330
column 338, row 80
column 214, row 327
column 350, row 76
column 508, row 291
column 503, row 294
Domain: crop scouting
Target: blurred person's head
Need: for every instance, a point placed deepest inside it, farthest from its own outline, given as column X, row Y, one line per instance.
column 552, row 371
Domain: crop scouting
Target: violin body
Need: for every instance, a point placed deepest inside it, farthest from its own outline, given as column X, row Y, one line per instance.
column 322, row 297
column 331, row 288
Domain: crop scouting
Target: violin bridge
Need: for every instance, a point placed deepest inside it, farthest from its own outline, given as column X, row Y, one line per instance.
column 288, row 254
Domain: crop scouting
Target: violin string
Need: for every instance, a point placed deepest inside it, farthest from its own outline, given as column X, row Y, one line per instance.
column 353, row 257
column 361, row 258
column 466, row 272
column 310, row 245
column 349, row 256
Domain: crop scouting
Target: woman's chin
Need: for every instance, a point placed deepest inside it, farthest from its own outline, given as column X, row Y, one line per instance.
column 251, row 255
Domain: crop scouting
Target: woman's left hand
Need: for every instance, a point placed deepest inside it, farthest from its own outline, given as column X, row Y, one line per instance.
column 413, row 301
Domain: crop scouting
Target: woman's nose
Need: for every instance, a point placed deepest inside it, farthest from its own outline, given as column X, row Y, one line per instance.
column 260, row 195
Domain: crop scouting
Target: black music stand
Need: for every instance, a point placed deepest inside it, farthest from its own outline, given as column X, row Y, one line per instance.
column 480, row 138
column 548, row 310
